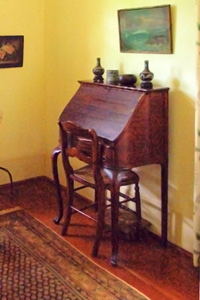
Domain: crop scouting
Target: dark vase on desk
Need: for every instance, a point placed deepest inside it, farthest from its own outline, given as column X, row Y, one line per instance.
column 146, row 76
column 98, row 71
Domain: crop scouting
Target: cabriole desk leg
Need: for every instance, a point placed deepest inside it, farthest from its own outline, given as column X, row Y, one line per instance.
column 54, row 157
column 10, row 177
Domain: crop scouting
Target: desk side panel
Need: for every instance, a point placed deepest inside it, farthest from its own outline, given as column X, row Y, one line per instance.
column 145, row 139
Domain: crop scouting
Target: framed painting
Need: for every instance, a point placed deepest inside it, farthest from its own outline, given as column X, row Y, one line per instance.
column 11, row 51
column 145, row 30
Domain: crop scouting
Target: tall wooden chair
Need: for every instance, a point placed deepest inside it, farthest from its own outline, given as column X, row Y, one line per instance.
column 88, row 175
column 84, row 145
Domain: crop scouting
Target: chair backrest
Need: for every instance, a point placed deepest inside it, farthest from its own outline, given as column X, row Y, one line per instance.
column 80, row 143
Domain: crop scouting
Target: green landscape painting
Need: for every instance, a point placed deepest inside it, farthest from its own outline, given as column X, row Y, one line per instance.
column 145, row 29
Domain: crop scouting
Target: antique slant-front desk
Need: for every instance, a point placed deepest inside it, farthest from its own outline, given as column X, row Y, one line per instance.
column 132, row 125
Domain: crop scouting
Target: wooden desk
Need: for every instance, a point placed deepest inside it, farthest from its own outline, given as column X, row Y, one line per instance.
column 133, row 126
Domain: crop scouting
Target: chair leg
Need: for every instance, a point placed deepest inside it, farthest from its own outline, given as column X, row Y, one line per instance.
column 68, row 211
column 114, row 220
column 54, row 157
column 138, row 204
column 138, row 212
column 100, row 222
column 96, row 198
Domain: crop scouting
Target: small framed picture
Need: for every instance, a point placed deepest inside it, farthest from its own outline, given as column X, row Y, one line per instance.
column 145, row 30
column 11, row 51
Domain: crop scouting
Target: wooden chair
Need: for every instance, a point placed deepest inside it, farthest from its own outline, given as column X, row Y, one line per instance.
column 84, row 144
column 88, row 175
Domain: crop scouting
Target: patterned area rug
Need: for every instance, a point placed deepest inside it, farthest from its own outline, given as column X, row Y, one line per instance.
column 36, row 263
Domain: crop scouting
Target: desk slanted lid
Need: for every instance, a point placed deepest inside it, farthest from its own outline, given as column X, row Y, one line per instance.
column 105, row 108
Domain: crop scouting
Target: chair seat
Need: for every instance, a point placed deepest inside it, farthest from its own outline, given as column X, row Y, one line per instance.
column 128, row 176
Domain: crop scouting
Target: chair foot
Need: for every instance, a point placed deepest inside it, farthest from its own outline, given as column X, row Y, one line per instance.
column 113, row 260
column 63, row 233
column 95, row 251
column 64, row 229
column 57, row 220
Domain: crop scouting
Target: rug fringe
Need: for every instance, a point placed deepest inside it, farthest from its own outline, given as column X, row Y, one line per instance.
column 10, row 210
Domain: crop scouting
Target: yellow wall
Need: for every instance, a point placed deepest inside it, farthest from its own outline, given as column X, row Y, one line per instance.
column 22, row 92
column 62, row 41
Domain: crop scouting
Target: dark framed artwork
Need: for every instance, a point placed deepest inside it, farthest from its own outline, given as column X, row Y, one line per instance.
column 11, row 51
column 145, row 30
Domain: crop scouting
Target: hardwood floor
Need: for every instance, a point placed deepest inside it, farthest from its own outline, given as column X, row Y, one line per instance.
column 159, row 273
